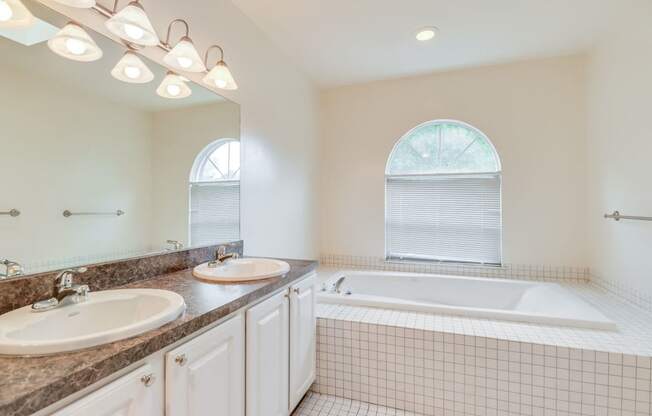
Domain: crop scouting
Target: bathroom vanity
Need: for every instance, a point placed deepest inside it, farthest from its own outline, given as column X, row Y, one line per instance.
column 238, row 346
column 264, row 355
column 124, row 176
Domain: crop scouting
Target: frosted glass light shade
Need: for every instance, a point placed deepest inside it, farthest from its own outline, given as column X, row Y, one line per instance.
column 220, row 77
column 132, row 69
column 173, row 87
column 74, row 43
column 13, row 13
column 184, row 57
column 80, row 4
column 133, row 25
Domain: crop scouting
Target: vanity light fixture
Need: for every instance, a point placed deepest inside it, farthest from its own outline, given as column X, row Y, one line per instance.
column 80, row 4
column 74, row 43
column 183, row 56
column 13, row 13
column 132, row 24
column 173, row 87
column 220, row 75
column 130, row 68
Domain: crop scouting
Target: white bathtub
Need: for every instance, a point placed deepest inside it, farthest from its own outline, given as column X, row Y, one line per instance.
column 511, row 300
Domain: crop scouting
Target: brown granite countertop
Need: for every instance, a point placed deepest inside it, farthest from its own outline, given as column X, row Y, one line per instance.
column 29, row 384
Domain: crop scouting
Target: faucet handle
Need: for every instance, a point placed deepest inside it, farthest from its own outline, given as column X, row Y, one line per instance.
column 13, row 269
column 82, row 292
column 65, row 277
column 176, row 244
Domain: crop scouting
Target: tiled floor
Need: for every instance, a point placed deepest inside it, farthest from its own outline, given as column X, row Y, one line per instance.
column 315, row 404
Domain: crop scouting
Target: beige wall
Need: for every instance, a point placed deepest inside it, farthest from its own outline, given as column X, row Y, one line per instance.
column 279, row 122
column 178, row 137
column 620, row 153
column 534, row 112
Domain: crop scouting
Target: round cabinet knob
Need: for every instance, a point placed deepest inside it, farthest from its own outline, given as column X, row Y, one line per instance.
column 181, row 359
column 297, row 290
column 148, row 379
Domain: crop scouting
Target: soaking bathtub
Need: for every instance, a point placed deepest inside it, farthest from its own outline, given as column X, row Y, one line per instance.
column 500, row 299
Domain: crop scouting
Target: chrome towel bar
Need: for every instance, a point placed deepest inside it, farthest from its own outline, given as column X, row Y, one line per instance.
column 68, row 213
column 617, row 217
column 12, row 212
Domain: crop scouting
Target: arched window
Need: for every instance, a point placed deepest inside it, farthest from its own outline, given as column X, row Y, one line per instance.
column 215, row 194
column 442, row 196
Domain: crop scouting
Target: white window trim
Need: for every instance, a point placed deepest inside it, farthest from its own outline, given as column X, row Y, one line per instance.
column 498, row 174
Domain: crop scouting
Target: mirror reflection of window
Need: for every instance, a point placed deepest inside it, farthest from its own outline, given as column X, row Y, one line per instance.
column 215, row 194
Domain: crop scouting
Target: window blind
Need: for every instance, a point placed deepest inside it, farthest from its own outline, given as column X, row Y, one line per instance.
column 444, row 218
column 214, row 212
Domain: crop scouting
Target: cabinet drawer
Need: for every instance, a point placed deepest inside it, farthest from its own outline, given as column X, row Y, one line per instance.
column 135, row 394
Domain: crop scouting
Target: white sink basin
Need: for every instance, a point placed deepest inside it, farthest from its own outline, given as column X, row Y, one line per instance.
column 106, row 316
column 242, row 270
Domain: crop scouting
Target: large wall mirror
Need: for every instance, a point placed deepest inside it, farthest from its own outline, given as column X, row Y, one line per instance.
column 96, row 169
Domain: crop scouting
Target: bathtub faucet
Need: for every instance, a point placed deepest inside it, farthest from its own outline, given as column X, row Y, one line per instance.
column 338, row 284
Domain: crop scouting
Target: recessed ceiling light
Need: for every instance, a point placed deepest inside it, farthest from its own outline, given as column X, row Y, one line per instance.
column 426, row 33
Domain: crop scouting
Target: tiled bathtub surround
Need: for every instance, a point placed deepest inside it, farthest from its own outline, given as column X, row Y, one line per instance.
column 506, row 271
column 633, row 295
column 430, row 366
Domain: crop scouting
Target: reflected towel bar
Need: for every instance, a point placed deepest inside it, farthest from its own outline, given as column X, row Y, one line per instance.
column 617, row 217
column 68, row 213
column 12, row 212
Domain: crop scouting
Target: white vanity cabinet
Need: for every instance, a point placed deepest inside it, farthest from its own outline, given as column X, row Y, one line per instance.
column 281, row 341
column 268, row 357
column 303, row 338
column 135, row 394
column 205, row 376
column 263, row 358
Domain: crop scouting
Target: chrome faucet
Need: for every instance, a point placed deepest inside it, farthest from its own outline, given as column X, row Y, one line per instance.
column 176, row 245
column 221, row 257
column 65, row 291
column 12, row 269
column 337, row 286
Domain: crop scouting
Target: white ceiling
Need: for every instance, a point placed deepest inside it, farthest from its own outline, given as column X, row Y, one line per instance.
column 340, row 42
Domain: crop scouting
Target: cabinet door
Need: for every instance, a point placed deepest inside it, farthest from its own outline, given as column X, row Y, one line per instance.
column 267, row 357
column 134, row 394
column 205, row 376
column 303, row 328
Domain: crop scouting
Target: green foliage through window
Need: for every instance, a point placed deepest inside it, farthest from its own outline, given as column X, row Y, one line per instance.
column 443, row 147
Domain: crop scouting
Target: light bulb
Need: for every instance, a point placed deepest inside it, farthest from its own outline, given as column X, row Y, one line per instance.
column 173, row 90
column 184, row 57
column 220, row 76
column 132, row 72
column 72, row 42
column 130, row 68
column 75, row 46
column 426, row 34
column 184, row 62
column 6, row 13
column 134, row 32
column 173, row 87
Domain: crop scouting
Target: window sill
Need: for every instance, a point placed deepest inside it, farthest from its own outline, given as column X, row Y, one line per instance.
column 441, row 262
